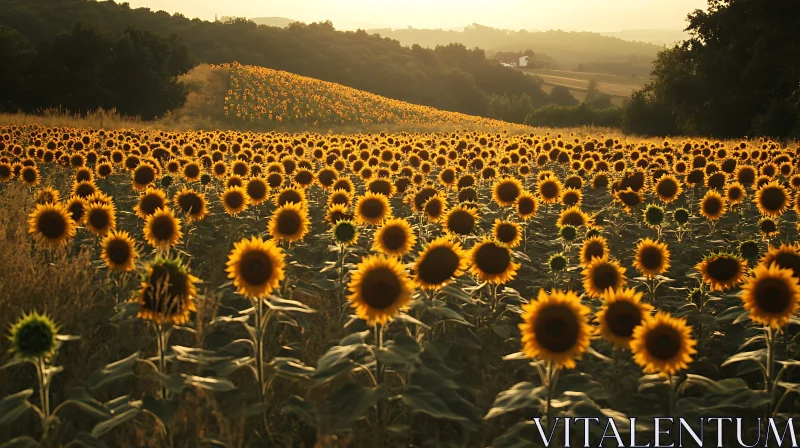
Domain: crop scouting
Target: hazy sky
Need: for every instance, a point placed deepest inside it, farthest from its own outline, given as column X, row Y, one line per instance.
column 569, row 15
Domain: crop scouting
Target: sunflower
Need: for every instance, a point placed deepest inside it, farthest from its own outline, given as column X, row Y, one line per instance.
column 507, row 232
column 51, row 224
column 435, row 208
column 150, row 200
column 668, row 188
column 622, row 312
column 652, row 258
column 29, row 175
column 628, row 198
column 167, row 292
column 492, row 262
column 337, row 213
column 76, row 206
column 735, row 193
column 118, row 251
column 786, row 256
column 345, row 232
column 526, row 205
column 297, row 196
column 372, row 209
column 394, row 237
column 191, row 204
column 101, row 218
column 663, row 344
column 289, row 223
column 256, row 266
column 573, row 216
column 722, row 271
column 440, row 261
column 34, row 336
column 461, row 221
column 257, row 190
column 601, row 274
column 550, row 189
column 506, row 191
column 234, row 200
column 6, row 172
column 594, row 247
column 142, row 176
column 47, row 195
column 379, row 288
column 84, row 189
column 772, row 199
column 162, row 229
column 768, row 227
column 712, row 206
column 554, row 328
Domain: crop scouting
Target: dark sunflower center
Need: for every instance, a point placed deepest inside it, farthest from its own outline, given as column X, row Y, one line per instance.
column 52, row 225
column 629, row 198
column 288, row 222
column 570, row 198
column 150, row 203
column 84, row 190
column 573, row 219
column 167, row 291
column 303, row 178
column 76, row 210
column 104, row 170
column 255, row 267
column 29, row 175
column 394, row 237
column 723, row 268
column 549, row 190
column 507, row 192
column 712, row 206
column 746, row 176
column 5, row 171
column 433, row 209
column 506, row 232
column 118, row 251
column 651, row 257
column 789, row 261
column 605, row 276
column 734, row 194
column 773, row 199
column 234, row 200
column 525, row 206
column 716, row 180
column 667, row 188
column 163, row 228
column 144, row 175
column 380, row 288
column 289, row 196
column 381, row 186
column 372, row 208
column 556, row 328
column 326, row 177
column 773, row 295
column 99, row 219
column 593, row 249
column 191, row 171
column 663, row 342
column 768, row 226
column 275, row 180
column 448, row 176
column 422, row 197
column 622, row 317
column 240, row 169
column 438, row 265
column 461, row 222
column 345, row 232
column 191, row 203
column 493, row 259
column 35, row 339
column 467, row 195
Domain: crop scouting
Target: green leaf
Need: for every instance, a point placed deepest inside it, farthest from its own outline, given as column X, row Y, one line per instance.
column 402, row 351
column 162, row 409
column 419, row 400
column 81, row 398
column 106, row 426
column 13, row 406
column 759, row 356
column 21, row 442
column 288, row 306
column 291, row 368
column 85, row 440
column 521, row 396
column 114, row 371
column 350, row 404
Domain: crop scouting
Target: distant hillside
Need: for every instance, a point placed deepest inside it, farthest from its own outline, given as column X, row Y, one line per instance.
column 280, row 22
column 271, row 98
column 657, row 37
column 570, row 50
column 452, row 78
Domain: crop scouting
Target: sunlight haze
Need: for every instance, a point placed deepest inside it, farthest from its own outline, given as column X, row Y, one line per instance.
column 568, row 15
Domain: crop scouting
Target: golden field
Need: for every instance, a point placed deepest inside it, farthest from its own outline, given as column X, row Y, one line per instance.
column 228, row 288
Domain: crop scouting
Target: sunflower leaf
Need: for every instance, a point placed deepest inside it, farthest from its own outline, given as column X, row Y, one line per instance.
column 14, row 405
column 114, row 371
column 21, row 442
column 107, row 425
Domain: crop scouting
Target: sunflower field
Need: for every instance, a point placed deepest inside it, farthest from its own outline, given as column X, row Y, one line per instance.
column 366, row 290
column 264, row 95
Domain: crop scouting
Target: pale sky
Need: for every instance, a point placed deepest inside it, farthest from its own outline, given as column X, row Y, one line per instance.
column 568, row 15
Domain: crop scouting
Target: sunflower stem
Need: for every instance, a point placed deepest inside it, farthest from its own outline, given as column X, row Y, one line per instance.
column 614, row 379
column 162, row 361
column 671, row 395
column 770, row 362
column 378, row 329
column 259, row 349
column 341, row 278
